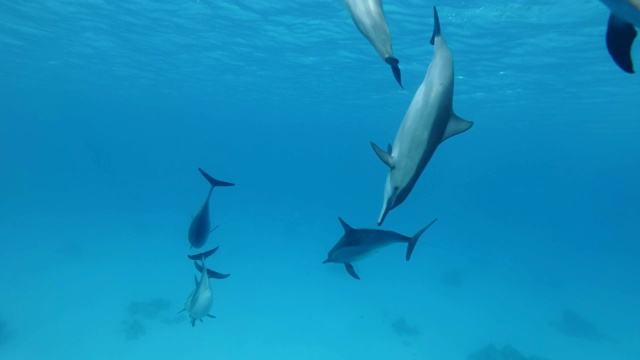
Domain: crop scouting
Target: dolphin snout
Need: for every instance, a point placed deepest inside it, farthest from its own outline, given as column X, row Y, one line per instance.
column 328, row 260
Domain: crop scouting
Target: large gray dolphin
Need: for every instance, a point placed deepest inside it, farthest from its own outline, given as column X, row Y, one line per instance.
column 200, row 300
column 200, row 226
column 621, row 31
column 357, row 244
column 429, row 121
column 368, row 15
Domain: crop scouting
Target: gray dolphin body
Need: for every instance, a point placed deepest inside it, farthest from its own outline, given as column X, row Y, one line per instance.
column 357, row 244
column 621, row 31
column 200, row 226
column 200, row 300
column 429, row 121
column 368, row 15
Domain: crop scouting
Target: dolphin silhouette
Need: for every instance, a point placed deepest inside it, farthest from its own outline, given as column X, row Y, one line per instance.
column 357, row 244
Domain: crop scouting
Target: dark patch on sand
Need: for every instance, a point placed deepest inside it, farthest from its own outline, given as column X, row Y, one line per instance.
column 133, row 330
column 149, row 310
column 574, row 325
column 402, row 328
column 507, row 352
column 142, row 313
column 452, row 277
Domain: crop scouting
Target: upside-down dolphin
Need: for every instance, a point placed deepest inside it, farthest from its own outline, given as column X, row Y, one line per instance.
column 200, row 226
column 368, row 15
column 357, row 244
column 621, row 31
column 200, row 300
column 429, row 121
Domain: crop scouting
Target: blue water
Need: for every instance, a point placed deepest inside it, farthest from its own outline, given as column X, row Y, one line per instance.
column 107, row 109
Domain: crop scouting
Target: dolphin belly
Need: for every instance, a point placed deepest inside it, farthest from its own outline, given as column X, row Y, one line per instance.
column 200, row 305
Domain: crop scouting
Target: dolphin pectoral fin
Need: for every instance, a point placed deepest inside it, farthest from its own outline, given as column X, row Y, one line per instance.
column 211, row 274
column 414, row 240
column 620, row 37
column 455, row 126
column 193, row 322
column 214, row 182
column 436, row 26
column 205, row 255
column 395, row 69
column 351, row 271
column 201, row 320
column 215, row 227
column 211, row 316
column 384, row 156
column 181, row 311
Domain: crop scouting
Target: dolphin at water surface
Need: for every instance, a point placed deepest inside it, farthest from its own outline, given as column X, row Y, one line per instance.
column 428, row 122
column 357, row 244
column 200, row 226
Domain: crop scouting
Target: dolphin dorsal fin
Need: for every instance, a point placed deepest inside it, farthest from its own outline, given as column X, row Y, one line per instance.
column 345, row 226
column 384, row 156
column 455, row 126
column 436, row 26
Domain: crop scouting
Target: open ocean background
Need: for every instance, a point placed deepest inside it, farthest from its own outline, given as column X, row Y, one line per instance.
column 107, row 109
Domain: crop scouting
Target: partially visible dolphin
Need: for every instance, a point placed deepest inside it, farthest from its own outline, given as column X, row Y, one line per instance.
column 200, row 300
column 357, row 244
column 210, row 273
column 621, row 31
column 368, row 15
column 429, row 121
column 200, row 227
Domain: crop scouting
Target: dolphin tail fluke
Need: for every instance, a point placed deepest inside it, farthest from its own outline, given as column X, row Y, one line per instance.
column 414, row 240
column 351, row 271
column 436, row 26
column 203, row 255
column 620, row 37
column 395, row 69
column 214, row 182
column 211, row 273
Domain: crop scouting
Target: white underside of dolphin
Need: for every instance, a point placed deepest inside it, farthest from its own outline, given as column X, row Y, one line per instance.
column 428, row 122
column 368, row 15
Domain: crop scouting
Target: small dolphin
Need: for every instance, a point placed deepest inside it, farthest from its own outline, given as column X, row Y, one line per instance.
column 429, row 121
column 621, row 31
column 200, row 227
column 357, row 244
column 200, row 300
column 368, row 15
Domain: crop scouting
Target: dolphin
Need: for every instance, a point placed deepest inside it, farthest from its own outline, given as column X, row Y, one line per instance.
column 200, row 300
column 428, row 122
column 200, row 227
column 621, row 31
column 357, row 244
column 368, row 15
